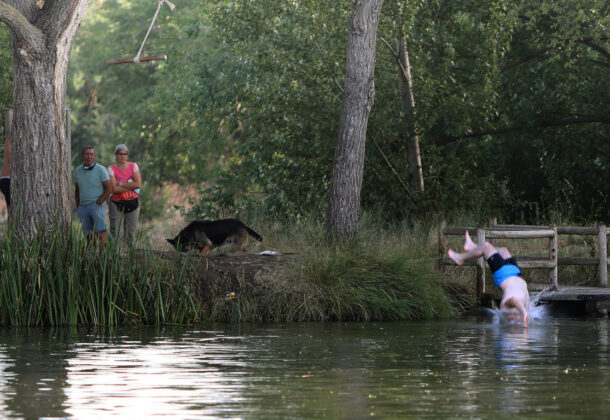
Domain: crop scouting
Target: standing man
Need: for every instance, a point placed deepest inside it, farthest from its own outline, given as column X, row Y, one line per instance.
column 5, row 178
column 91, row 190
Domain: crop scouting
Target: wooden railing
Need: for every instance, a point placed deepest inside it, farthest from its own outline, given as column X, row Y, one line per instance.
column 551, row 263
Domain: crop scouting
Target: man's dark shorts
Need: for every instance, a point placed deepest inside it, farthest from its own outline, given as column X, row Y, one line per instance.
column 502, row 268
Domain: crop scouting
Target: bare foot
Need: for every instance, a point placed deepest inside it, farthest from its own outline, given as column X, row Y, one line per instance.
column 468, row 244
column 526, row 320
column 455, row 257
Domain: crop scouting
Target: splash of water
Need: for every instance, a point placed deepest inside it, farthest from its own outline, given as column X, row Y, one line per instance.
column 537, row 312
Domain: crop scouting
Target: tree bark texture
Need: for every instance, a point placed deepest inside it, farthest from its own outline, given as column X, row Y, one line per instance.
column 40, row 160
column 408, row 103
column 344, row 196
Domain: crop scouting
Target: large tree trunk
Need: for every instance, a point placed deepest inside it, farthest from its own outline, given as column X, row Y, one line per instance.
column 346, row 182
column 408, row 103
column 40, row 161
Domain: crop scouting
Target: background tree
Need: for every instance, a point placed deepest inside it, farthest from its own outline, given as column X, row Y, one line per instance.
column 41, row 42
column 343, row 214
column 510, row 103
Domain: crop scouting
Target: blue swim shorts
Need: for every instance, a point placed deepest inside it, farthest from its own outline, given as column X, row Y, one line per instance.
column 93, row 217
column 504, row 272
column 502, row 268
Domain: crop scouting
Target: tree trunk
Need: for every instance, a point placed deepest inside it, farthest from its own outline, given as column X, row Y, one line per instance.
column 344, row 196
column 408, row 103
column 40, row 160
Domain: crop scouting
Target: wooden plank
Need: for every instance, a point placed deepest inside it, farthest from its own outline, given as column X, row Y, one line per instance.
column 562, row 230
column 455, row 230
column 602, row 249
column 576, row 294
column 480, row 266
column 530, row 262
column 525, row 234
column 141, row 59
column 536, row 263
column 442, row 242
column 570, row 230
column 520, row 227
column 553, row 257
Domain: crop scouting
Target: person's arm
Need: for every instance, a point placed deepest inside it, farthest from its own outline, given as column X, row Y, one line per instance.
column 107, row 191
column 76, row 195
column 115, row 187
column 134, row 185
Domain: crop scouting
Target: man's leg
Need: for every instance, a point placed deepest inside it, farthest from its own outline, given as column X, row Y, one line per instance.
column 99, row 214
column 504, row 253
column 474, row 251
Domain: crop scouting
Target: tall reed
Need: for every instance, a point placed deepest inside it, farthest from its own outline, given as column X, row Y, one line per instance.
column 59, row 278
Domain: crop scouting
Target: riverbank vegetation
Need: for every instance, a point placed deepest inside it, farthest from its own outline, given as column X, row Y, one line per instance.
column 507, row 103
column 61, row 279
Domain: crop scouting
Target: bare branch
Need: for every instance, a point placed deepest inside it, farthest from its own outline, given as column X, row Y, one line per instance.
column 604, row 52
column 387, row 44
column 398, row 177
column 330, row 72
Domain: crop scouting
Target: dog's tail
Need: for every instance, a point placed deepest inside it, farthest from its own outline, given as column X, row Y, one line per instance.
column 253, row 233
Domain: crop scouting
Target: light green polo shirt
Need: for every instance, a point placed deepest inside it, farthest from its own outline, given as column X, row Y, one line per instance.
column 89, row 182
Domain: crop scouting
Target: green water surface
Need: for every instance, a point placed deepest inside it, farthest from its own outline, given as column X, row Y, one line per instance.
column 558, row 368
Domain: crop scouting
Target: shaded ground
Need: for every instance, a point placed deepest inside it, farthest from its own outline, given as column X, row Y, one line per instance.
column 238, row 265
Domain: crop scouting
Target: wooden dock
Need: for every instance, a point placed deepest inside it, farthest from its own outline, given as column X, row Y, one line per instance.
column 583, row 294
column 585, row 300
column 593, row 299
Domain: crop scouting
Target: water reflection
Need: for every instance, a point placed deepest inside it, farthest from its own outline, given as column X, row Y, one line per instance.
column 464, row 368
column 33, row 366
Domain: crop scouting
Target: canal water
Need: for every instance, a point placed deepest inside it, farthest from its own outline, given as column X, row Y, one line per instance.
column 470, row 368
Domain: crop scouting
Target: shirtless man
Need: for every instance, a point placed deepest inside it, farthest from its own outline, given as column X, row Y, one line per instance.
column 505, row 273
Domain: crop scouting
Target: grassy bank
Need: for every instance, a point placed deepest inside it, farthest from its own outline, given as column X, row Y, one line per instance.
column 388, row 275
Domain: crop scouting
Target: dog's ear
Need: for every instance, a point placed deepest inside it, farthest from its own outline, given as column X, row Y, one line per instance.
column 171, row 241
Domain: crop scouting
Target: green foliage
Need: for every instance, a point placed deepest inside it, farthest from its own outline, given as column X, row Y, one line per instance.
column 511, row 109
column 496, row 87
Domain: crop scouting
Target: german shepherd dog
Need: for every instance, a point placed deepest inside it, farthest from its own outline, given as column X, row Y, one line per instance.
column 206, row 234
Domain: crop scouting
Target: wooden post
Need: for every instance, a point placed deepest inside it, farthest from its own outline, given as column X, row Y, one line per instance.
column 8, row 123
column 442, row 244
column 553, row 258
column 602, row 249
column 493, row 221
column 480, row 266
column 133, row 60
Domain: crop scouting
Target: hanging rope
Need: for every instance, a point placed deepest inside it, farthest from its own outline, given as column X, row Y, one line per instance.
column 137, row 58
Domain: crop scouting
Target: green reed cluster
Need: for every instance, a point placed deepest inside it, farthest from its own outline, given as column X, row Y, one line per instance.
column 62, row 279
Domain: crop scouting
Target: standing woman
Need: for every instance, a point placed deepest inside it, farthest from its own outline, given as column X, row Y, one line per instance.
column 125, row 179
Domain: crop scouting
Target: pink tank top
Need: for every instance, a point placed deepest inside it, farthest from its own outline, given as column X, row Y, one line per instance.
column 125, row 175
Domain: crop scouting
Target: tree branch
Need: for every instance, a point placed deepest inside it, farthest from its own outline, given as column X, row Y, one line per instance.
column 395, row 173
column 20, row 27
column 589, row 42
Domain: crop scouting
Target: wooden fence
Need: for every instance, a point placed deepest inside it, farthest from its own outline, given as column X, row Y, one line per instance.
column 551, row 263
